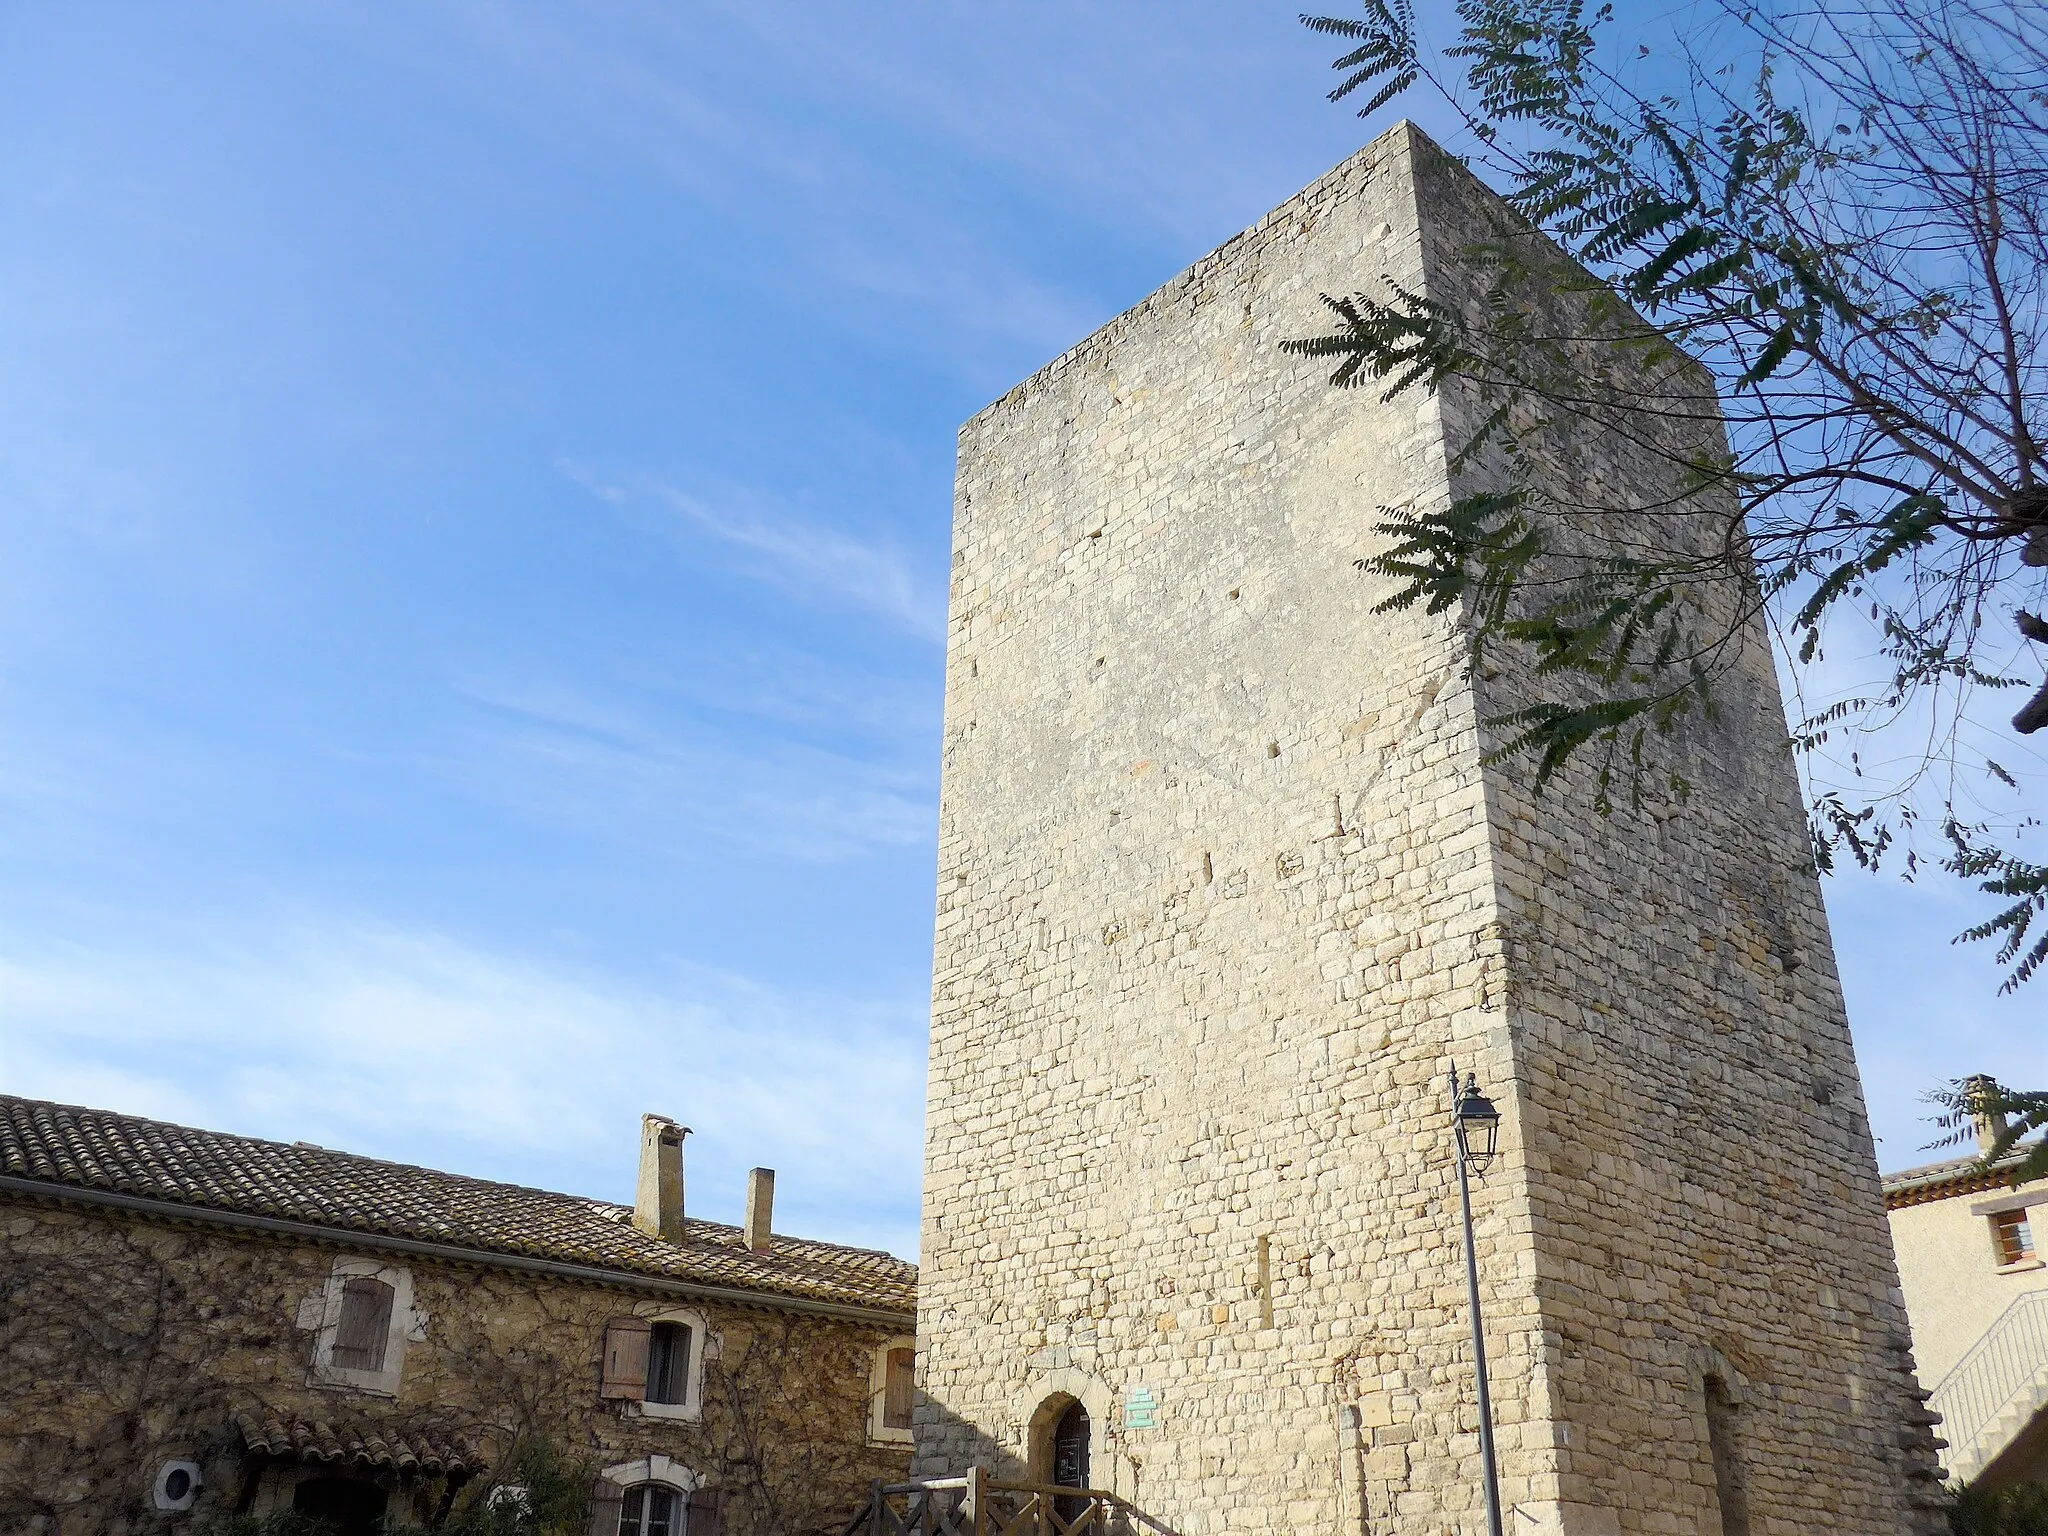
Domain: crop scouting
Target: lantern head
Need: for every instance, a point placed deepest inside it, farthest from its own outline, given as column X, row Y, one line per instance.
column 1478, row 1125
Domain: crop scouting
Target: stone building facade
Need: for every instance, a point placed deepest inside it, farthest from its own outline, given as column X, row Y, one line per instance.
column 1971, row 1261
column 195, row 1324
column 1226, row 885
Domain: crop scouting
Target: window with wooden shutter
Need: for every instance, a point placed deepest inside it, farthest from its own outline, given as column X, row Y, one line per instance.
column 365, row 1326
column 625, row 1358
column 899, row 1393
column 668, row 1363
column 2012, row 1235
column 607, row 1500
column 706, row 1513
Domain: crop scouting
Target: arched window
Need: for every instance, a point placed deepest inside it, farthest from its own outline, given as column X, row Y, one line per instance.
column 652, row 1509
column 654, row 1497
column 892, row 1392
column 668, row 1364
column 1731, row 1484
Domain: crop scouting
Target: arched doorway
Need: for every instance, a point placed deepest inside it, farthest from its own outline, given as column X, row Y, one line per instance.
column 1070, row 1459
column 1059, row 1428
column 1070, row 1447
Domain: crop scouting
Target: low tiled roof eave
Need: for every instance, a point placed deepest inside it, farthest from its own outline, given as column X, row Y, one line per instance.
column 69, row 1147
column 1947, row 1180
column 410, row 1450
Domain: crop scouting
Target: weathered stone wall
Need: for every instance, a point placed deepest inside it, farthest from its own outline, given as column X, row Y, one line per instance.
column 125, row 1342
column 1223, row 889
column 1698, row 1169
column 1213, row 901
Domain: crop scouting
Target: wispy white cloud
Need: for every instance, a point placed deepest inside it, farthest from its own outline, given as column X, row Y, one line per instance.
column 803, row 558
column 420, row 1048
column 984, row 312
column 663, row 87
column 559, row 751
column 811, row 557
column 1190, row 130
column 766, row 683
column 694, row 97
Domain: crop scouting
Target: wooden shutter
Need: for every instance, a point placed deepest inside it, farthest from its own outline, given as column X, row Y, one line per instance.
column 2014, row 1235
column 606, row 1498
column 707, row 1513
column 899, row 1389
column 625, row 1358
column 365, row 1325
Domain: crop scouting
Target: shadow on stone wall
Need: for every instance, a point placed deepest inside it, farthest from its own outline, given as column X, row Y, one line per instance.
column 947, row 1445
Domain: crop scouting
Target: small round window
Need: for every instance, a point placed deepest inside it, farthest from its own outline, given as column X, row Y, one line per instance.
column 177, row 1486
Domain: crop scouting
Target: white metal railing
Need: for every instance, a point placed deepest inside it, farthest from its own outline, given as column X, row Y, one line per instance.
column 2001, row 1367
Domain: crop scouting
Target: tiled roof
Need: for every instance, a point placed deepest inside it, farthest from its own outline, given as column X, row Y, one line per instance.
column 1957, row 1176
column 359, row 1445
column 99, row 1150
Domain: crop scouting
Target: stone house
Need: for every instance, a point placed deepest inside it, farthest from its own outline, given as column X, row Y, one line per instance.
column 195, row 1323
column 1976, row 1289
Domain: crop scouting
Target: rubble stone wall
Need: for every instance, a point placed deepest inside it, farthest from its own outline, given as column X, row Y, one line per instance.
column 1214, row 904
column 1698, row 1168
column 126, row 1342
column 1223, row 891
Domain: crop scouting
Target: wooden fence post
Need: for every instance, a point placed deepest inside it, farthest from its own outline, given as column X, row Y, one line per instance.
column 977, row 1499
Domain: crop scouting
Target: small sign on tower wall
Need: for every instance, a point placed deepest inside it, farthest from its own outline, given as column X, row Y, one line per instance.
column 1141, row 1409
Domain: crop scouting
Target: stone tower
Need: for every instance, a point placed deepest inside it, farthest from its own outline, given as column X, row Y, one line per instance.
column 1223, row 890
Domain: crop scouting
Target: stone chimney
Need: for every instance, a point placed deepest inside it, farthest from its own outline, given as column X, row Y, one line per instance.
column 1989, row 1122
column 760, row 1208
column 658, row 1203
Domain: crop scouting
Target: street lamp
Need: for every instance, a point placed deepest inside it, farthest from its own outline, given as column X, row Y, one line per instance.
column 1477, row 1124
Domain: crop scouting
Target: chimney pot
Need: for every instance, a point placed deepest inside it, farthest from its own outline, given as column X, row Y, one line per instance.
column 1989, row 1123
column 658, row 1202
column 760, row 1208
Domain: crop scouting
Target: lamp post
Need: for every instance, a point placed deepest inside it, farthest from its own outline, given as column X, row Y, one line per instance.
column 1477, row 1124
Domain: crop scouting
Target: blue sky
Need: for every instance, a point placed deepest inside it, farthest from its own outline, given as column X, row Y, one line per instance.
column 475, row 483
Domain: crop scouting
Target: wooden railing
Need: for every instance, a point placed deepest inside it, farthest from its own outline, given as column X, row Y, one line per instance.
column 977, row 1505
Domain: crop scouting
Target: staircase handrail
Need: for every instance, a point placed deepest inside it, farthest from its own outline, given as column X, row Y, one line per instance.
column 1059, row 1491
column 1998, row 1367
column 978, row 1485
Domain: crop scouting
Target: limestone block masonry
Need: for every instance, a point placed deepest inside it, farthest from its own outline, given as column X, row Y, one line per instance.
column 1224, row 887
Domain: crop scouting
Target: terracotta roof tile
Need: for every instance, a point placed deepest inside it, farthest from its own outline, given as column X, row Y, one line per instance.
column 1956, row 1176
column 98, row 1149
column 359, row 1445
